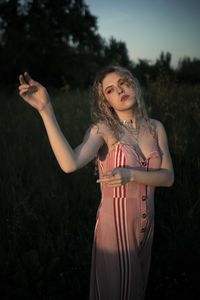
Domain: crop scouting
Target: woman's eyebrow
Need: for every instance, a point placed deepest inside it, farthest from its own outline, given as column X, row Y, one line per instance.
column 109, row 86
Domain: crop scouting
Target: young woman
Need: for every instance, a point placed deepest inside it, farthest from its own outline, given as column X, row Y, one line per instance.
column 133, row 158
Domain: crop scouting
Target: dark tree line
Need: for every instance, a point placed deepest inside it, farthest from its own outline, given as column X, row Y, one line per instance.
column 58, row 42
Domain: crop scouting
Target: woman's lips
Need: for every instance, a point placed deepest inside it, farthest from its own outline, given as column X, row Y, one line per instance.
column 124, row 97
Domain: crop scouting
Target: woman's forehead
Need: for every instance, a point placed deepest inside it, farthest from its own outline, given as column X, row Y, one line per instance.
column 111, row 78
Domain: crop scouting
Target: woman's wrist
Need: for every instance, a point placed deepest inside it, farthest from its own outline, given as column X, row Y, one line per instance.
column 131, row 174
column 47, row 109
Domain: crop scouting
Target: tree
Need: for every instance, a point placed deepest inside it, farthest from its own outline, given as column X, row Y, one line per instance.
column 116, row 52
column 50, row 39
column 189, row 70
column 144, row 71
column 164, row 61
column 11, row 24
column 162, row 67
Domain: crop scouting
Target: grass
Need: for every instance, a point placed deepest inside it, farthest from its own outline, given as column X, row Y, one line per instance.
column 47, row 217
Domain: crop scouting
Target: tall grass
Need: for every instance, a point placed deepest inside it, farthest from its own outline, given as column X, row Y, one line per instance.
column 47, row 217
column 176, row 255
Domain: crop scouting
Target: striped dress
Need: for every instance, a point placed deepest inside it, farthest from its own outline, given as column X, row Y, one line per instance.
column 124, row 230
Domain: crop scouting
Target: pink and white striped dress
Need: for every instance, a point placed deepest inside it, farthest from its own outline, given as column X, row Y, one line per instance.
column 124, row 230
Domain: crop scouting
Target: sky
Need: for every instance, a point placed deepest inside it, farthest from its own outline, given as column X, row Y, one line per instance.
column 151, row 26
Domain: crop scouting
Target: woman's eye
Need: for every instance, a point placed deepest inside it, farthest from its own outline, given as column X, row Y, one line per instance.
column 122, row 82
column 109, row 91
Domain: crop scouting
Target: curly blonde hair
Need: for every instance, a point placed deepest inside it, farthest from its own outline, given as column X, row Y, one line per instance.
column 101, row 111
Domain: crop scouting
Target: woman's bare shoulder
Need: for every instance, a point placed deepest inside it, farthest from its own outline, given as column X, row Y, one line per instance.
column 160, row 130
column 102, row 129
column 157, row 124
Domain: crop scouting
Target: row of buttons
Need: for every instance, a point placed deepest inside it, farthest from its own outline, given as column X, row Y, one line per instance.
column 144, row 215
column 144, row 198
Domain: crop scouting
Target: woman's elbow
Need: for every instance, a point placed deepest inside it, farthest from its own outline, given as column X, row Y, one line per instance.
column 68, row 169
column 170, row 179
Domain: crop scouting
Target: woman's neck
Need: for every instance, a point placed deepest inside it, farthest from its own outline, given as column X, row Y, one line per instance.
column 127, row 117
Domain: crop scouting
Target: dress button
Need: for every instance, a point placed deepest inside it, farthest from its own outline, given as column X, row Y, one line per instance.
column 143, row 229
column 144, row 215
column 144, row 198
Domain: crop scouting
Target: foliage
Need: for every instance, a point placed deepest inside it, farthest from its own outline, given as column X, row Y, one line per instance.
column 47, row 217
column 58, row 43
column 189, row 70
column 176, row 252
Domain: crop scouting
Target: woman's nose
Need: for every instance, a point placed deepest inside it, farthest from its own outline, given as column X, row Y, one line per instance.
column 119, row 89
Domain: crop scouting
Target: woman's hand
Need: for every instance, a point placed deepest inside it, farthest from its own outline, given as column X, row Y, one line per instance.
column 117, row 177
column 33, row 92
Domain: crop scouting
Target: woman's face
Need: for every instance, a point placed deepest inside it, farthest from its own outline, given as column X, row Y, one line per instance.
column 118, row 92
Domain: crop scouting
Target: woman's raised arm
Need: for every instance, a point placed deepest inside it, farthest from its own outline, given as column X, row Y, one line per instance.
column 69, row 160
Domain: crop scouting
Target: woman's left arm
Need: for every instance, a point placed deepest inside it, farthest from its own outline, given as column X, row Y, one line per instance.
column 161, row 177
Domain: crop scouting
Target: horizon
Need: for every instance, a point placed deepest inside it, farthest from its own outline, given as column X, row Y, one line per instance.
column 147, row 29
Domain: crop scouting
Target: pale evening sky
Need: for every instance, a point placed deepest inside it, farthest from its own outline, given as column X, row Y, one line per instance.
column 151, row 26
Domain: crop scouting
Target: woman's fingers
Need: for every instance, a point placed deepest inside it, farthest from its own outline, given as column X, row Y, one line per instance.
column 31, row 89
column 23, row 86
column 22, row 80
column 105, row 179
column 27, row 77
column 32, row 92
column 23, row 93
column 115, row 183
column 113, row 178
column 110, row 179
column 109, row 173
column 27, row 90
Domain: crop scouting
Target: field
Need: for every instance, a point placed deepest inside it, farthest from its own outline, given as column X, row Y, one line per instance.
column 47, row 217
